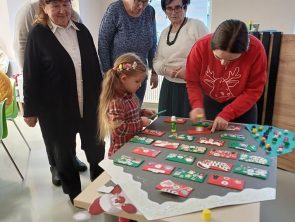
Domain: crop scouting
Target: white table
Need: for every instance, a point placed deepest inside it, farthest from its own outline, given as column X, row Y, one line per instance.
column 241, row 213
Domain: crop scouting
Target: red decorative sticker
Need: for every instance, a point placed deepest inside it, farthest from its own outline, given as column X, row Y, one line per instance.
column 178, row 189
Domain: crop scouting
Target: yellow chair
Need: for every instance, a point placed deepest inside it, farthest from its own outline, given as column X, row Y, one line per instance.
column 12, row 112
column 4, row 134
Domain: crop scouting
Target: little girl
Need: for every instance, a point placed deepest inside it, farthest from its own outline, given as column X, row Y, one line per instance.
column 119, row 110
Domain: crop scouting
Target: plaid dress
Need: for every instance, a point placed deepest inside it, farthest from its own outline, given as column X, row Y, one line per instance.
column 125, row 109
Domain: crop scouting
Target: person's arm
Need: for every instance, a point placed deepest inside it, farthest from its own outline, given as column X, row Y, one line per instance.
column 106, row 35
column 192, row 77
column 159, row 59
column 147, row 112
column 200, row 30
column 197, row 30
column 159, row 62
column 32, row 78
column 23, row 25
column 152, row 50
column 151, row 54
column 253, row 91
column 127, row 127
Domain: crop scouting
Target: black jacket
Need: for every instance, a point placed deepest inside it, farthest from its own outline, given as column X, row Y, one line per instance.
column 50, row 89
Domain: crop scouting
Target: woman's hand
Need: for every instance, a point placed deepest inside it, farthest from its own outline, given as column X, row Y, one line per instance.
column 31, row 121
column 219, row 124
column 145, row 121
column 154, row 80
column 180, row 73
column 171, row 71
column 195, row 113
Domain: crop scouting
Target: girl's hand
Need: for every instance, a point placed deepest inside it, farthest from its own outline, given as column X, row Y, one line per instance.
column 195, row 113
column 148, row 112
column 219, row 124
column 145, row 121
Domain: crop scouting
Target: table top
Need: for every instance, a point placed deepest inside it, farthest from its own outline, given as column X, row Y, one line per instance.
column 140, row 185
column 244, row 212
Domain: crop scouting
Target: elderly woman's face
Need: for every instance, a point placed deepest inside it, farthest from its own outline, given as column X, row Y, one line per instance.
column 175, row 11
column 59, row 12
column 138, row 6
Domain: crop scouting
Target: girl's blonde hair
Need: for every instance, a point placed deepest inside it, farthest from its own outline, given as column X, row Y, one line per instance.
column 42, row 17
column 128, row 64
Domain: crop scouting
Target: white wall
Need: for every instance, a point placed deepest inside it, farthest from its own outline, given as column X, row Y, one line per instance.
column 270, row 14
column 8, row 9
column 5, row 29
column 91, row 12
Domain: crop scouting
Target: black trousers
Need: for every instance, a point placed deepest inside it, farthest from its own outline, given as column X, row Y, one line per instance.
column 49, row 145
column 63, row 142
column 212, row 108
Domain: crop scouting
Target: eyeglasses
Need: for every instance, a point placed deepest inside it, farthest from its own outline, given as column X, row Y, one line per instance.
column 143, row 2
column 176, row 9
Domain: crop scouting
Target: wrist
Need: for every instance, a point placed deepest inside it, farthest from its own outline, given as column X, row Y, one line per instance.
column 165, row 70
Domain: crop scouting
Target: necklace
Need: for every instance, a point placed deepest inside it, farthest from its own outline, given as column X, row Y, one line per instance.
column 170, row 28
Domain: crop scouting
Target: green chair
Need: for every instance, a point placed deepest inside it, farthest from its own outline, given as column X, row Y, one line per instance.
column 12, row 112
column 4, row 133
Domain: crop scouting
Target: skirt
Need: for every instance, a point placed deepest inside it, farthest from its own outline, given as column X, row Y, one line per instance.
column 174, row 99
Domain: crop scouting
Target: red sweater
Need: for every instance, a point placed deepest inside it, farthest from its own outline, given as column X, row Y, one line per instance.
column 242, row 80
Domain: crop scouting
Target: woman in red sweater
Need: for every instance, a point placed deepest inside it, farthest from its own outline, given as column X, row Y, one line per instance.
column 226, row 75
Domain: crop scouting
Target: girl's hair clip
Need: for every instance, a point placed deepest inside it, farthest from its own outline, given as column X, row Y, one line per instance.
column 125, row 66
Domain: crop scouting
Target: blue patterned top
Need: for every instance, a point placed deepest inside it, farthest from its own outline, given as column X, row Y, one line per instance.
column 120, row 33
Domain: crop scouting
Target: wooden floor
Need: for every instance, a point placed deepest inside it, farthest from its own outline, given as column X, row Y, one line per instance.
column 287, row 162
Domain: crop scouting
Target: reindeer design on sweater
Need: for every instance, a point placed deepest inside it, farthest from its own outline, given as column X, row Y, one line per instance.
column 221, row 87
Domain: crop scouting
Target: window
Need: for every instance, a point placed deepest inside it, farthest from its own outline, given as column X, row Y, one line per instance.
column 198, row 9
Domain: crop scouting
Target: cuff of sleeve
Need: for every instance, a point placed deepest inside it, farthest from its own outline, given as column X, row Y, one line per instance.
column 225, row 116
column 29, row 112
column 197, row 105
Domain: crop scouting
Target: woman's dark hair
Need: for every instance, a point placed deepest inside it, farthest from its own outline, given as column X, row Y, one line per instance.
column 231, row 36
column 164, row 3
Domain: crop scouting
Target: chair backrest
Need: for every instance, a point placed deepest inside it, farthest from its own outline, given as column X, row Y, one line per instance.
column 12, row 109
column 3, row 124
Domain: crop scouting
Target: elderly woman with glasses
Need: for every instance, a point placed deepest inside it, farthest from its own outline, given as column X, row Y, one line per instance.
column 61, row 89
column 226, row 75
column 129, row 26
column 174, row 46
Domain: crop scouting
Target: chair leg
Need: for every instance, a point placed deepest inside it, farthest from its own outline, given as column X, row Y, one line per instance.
column 12, row 160
column 21, row 134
